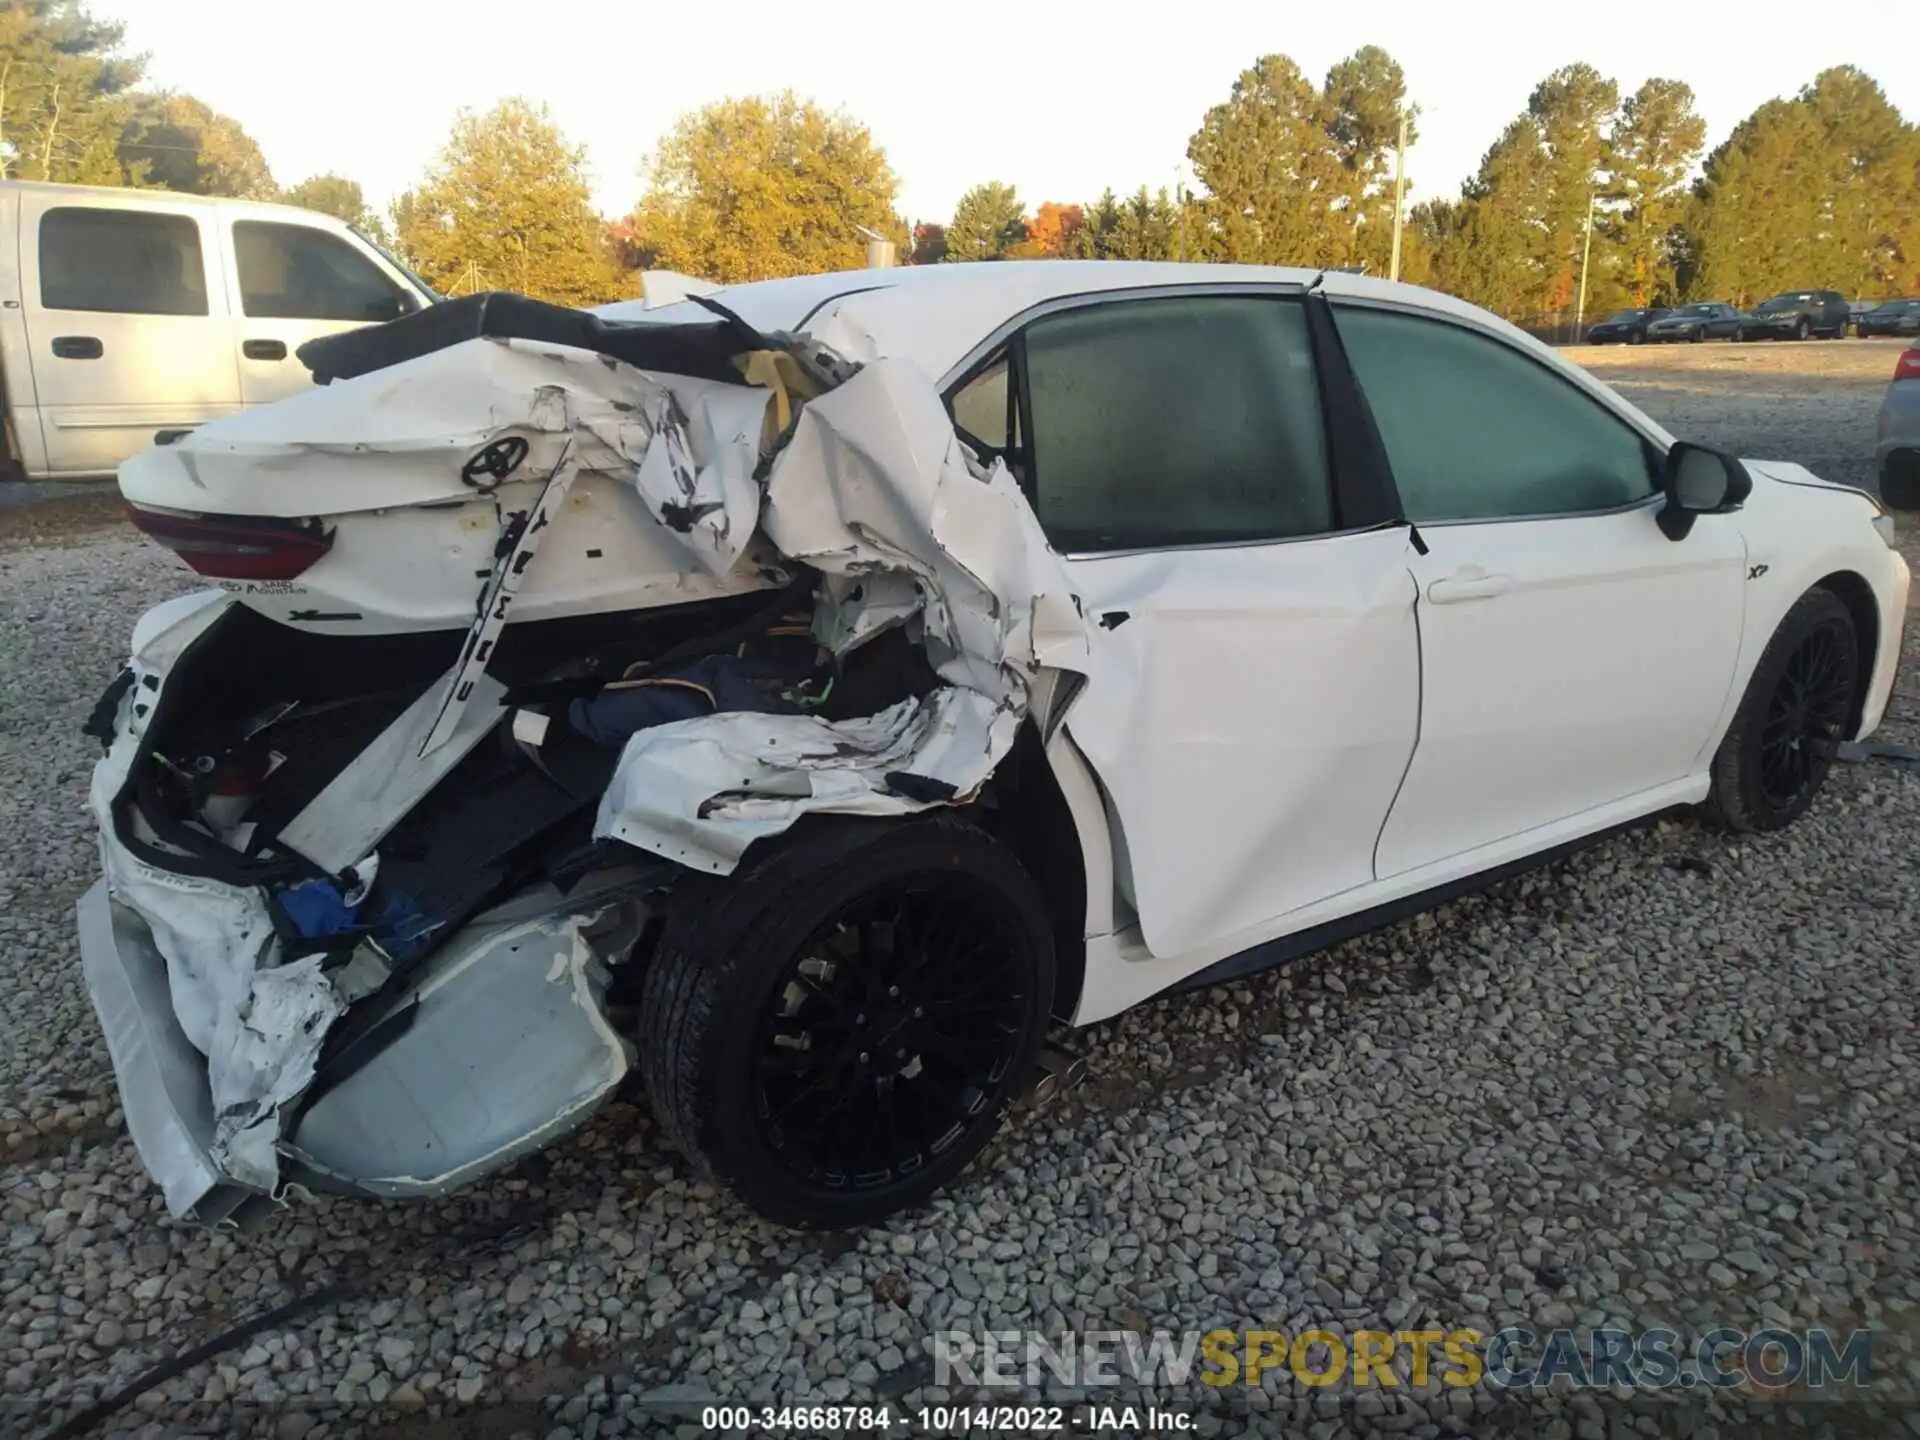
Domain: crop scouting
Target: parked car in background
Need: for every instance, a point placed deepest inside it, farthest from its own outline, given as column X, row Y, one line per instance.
column 1797, row 315
column 806, row 694
column 1626, row 327
column 1891, row 317
column 1899, row 447
column 1709, row 320
column 132, row 316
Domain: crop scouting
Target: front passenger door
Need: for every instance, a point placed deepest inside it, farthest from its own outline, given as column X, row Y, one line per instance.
column 1575, row 662
column 1253, row 688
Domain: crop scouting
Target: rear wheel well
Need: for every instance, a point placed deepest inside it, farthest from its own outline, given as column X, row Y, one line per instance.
column 1864, row 610
column 1025, row 809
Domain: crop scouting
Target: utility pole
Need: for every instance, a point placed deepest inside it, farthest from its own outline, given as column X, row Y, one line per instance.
column 1586, row 254
column 1399, row 193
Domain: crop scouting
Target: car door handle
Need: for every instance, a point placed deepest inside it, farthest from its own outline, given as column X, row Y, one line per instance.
column 77, row 347
column 1469, row 582
column 264, row 349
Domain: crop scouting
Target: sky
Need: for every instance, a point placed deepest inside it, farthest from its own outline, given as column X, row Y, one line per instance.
column 1060, row 99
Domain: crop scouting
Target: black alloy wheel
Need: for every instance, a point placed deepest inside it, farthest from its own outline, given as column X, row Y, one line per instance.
column 889, row 1032
column 1797, row 709
column 835, row 1030
column 1805, row 717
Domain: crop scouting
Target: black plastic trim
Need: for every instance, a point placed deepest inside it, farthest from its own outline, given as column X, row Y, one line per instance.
column 1287, row 948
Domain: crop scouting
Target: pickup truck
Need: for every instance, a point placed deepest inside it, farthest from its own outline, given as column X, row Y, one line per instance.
column 128, row 317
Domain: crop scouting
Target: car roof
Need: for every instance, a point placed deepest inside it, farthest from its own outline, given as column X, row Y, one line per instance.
column 937, row 315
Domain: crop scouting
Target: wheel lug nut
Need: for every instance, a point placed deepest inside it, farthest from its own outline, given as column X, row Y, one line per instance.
column 918, row 1012
column 893, row 990
column 863, row 1057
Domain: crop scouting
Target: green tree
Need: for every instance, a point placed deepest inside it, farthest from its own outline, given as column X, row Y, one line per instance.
column 1141, row 227
column 506, row 207
column 753, row 188
column 1654, row 146
column 1365, row 95
column 1573, row 109
column 1267, row 159
column 987, row 223
column 339, row 197
column 63, row 85
column 179, row 143
column 1823, row 189
column 1494, row 247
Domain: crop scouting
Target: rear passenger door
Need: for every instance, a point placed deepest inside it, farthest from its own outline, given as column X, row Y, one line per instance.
column 295, row 283
column 1254, row 687
column 127, row 329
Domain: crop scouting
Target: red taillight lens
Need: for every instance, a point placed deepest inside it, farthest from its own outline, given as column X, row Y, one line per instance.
column 1908, row 365
column 237, row 547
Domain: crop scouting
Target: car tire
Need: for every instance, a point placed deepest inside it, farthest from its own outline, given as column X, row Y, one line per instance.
column 779, row 994
column 1780, row 747
column 1699, row 335
column 1900, row 480
column 1804, row 330
column 1636, row 337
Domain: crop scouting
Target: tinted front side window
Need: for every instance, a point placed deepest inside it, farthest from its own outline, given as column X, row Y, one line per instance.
column 1476, row 430
column 1180, row 421
column 132, row 262
column 294, row 272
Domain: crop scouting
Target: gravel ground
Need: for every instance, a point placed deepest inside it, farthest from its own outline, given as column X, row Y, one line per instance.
column 1668, row 1081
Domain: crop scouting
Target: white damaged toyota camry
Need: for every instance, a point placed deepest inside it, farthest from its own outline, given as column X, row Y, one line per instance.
column 795, row 700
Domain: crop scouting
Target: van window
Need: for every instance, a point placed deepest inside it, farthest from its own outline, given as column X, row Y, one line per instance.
column 132, row 262
column 295, row 272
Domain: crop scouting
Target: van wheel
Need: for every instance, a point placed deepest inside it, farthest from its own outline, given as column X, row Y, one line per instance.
column 1794, row 715
column 835, row 1031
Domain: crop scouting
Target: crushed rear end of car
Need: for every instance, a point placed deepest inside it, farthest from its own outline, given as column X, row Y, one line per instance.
column 521, row 621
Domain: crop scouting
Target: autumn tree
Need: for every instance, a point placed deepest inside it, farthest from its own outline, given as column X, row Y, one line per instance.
column 1652, row 148
column 506, row 207
column 987, row 223
column 63, row 87
column 1055, row 227
column 765, row 186
column 179, row 143
column 339, row 197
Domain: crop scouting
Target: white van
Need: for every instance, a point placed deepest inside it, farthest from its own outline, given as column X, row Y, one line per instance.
column 129, row 316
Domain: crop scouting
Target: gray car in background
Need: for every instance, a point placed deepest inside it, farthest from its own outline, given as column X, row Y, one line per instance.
column 1707, row 320
column 1899, row 447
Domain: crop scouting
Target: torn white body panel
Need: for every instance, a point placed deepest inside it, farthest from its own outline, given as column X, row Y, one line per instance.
column 258, row 1024
column 422, row 1117
column 700, row 791
column 875, row 491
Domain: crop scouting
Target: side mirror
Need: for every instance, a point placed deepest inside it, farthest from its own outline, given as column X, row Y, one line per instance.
column 1699, row 481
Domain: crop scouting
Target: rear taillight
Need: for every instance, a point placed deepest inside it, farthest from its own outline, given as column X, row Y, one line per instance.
column 237, row 547
column 1907, row 367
